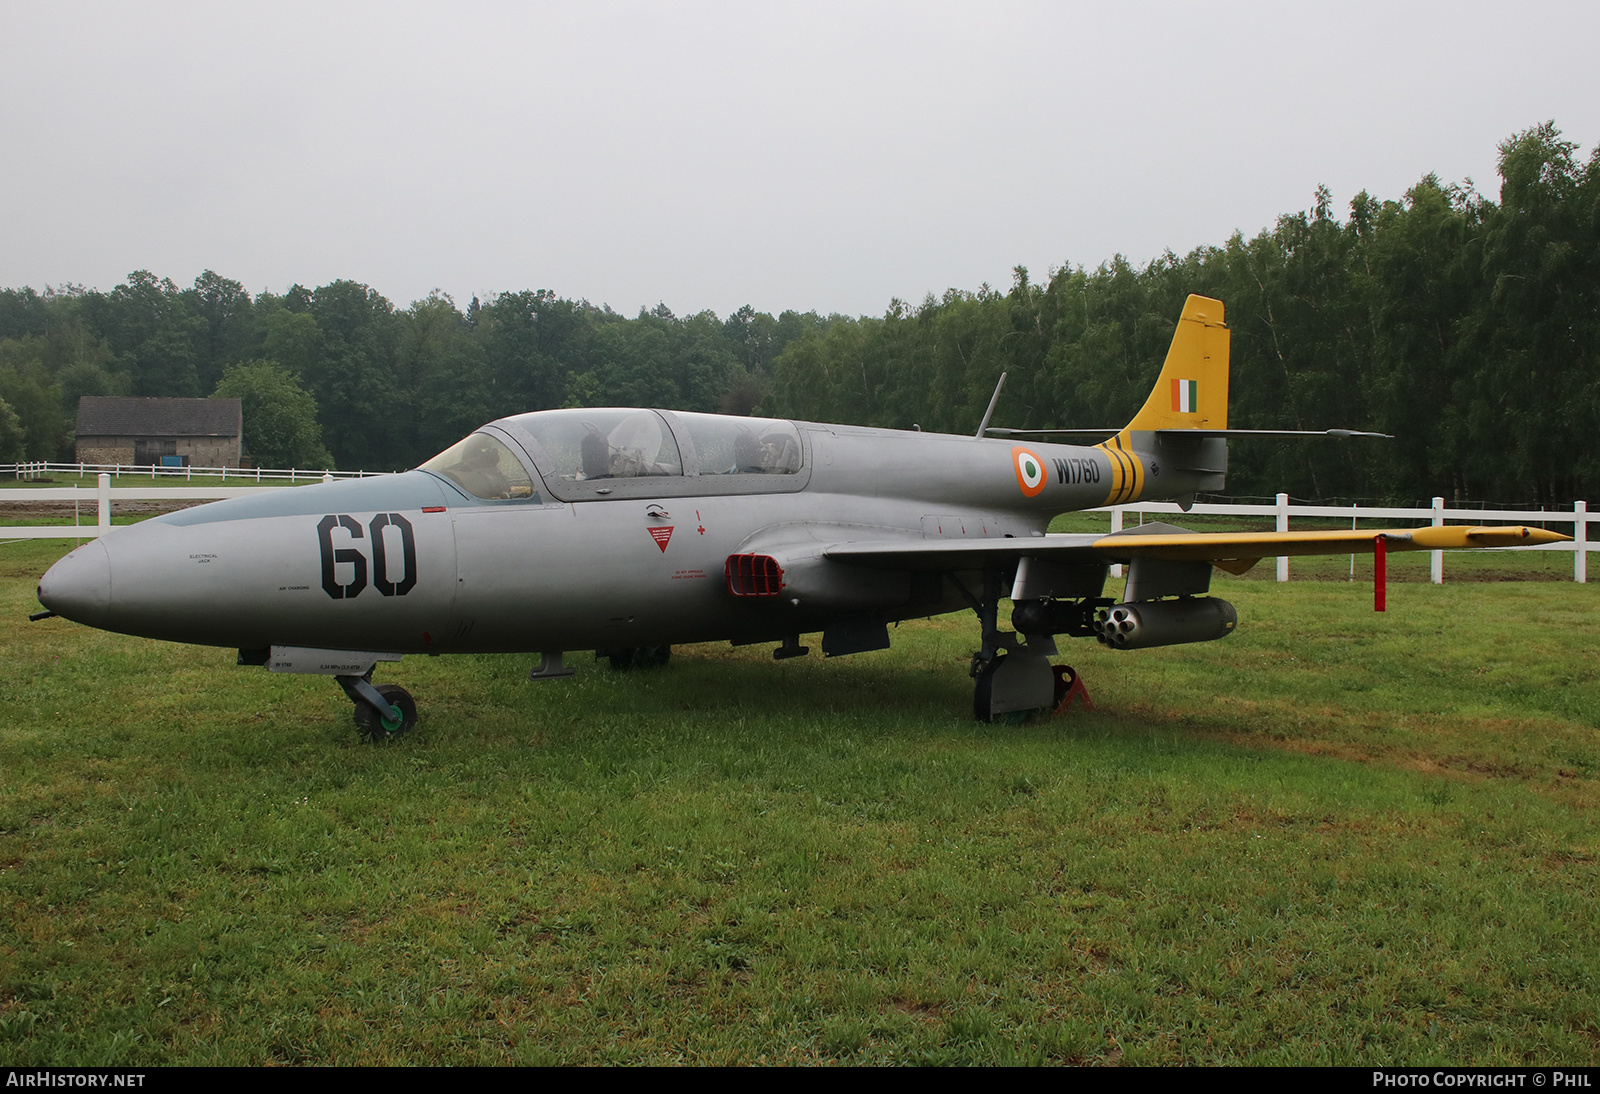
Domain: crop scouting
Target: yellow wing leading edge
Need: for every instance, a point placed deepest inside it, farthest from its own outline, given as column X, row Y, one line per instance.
column 1238, row 551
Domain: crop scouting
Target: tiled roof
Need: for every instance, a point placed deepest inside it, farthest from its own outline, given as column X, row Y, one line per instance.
column 102, row 416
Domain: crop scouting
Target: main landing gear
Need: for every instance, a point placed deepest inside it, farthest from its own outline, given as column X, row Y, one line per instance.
column 382, row 711
column 1011, row 674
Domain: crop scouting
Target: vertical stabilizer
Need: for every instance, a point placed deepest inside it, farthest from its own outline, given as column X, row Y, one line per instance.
column 1191, row 393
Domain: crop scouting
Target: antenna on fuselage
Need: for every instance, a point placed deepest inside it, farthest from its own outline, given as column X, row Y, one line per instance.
column 987, row 414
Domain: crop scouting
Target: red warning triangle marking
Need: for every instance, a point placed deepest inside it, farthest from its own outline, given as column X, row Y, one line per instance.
column 661, row 536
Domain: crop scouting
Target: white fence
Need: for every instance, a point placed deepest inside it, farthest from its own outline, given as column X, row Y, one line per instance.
column 37, row 468
column 103, row 495
column 99, row 499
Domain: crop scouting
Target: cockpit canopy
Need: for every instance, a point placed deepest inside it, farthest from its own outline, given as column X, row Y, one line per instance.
column 620, row 444
column 484, row 467
column 602, row 444
column 611, row 452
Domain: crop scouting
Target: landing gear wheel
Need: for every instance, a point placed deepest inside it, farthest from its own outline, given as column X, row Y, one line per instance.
column 640, row 657
column 983, row 689
column 381, row 727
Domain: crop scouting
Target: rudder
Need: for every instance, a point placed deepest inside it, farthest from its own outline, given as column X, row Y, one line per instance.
column 1190, row 393
column 1192, row 390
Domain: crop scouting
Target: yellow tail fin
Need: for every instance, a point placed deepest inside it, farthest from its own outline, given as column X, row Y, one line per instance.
column 1192, row 390
column 1190, row 393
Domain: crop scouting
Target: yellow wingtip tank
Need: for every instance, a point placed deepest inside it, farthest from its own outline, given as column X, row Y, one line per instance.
column 1190, row 393
column 1448, row 536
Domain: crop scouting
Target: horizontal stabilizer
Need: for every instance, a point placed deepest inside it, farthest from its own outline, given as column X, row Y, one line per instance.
column 1086, row 433
column 1271, row 433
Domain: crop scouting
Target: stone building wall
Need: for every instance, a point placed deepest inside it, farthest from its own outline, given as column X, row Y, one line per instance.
column 202, row 451
column 210, row 451
column 104, row 450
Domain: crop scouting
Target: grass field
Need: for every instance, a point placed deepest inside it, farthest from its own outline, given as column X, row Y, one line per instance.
column 1334, row 837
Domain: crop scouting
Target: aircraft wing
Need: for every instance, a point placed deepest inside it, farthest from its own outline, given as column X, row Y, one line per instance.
column 1210, row 546
column 963, row 554
column 1233, row 551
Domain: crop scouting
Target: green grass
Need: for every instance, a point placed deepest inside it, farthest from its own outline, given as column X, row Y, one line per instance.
column 86, row 521
column 1334, row 837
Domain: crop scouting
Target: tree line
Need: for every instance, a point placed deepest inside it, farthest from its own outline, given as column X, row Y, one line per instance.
column 340, row 373
column 1468, row 328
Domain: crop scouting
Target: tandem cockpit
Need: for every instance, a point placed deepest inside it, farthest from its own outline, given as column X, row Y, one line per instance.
column 593, row 455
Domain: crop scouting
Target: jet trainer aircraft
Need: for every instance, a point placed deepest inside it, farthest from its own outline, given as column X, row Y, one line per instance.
column 629, row 531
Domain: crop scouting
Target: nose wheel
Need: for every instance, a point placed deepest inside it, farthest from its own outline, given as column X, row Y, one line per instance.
column 382, row 712
column 399, row 718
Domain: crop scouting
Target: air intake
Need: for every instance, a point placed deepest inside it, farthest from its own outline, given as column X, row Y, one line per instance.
column 754, row 575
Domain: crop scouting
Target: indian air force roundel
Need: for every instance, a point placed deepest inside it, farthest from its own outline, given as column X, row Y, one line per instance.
column 1030, row 471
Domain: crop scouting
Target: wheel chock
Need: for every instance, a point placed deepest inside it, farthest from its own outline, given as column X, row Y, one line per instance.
column 1069, row 686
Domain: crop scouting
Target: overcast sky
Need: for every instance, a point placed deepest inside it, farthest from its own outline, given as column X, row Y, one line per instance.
column 709, row 155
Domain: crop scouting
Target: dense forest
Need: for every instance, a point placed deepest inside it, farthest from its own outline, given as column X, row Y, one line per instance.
column 1468, row 328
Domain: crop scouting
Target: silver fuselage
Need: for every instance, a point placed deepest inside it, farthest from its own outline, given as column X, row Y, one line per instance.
column 411, row 563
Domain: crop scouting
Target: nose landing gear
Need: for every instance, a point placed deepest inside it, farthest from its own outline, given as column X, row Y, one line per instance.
column 382, row 712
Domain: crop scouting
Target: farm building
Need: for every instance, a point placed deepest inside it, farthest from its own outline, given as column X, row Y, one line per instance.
column 198, row 432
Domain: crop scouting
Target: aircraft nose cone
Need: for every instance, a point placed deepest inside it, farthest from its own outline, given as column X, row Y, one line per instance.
column 79, row 586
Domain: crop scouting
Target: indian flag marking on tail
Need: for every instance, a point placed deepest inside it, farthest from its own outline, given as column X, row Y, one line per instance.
column 1186, row 396
column 1030, row 471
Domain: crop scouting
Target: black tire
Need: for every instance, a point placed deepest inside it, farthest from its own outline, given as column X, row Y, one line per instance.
column 376, row 727
column 983, row 688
